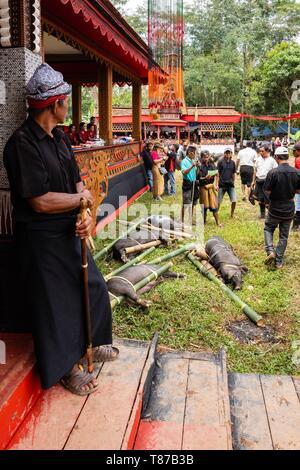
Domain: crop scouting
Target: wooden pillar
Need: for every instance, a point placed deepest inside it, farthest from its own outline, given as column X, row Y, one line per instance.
column 76, row 104
column 136, row 111
column 145, row 131
column 105, row 81
column 178, row 133
column 158, row 132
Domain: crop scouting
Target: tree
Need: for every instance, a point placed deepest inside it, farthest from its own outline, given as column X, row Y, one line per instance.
column 271, row 90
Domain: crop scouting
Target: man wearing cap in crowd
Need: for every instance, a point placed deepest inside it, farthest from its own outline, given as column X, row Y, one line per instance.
column 190, row 192
column 226, row 179
column 296, row 151
column 46, row 190
column 281, row 185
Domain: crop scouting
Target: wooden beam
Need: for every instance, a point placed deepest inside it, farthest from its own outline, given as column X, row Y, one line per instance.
column 105, row 80
column 136, row 111
column 76, row 104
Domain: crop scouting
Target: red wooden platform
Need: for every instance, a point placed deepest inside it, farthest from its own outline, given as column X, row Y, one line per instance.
column 60, row 420
column 148, row 401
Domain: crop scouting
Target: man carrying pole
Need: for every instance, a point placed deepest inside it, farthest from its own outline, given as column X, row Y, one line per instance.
column 46, row 192
column 190, row 192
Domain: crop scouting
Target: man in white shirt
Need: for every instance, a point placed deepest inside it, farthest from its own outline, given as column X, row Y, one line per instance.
column 246, row 162
column 264, row 164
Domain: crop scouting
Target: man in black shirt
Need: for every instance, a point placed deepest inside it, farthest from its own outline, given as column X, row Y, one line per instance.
column 281, row 185
column 226, row 179
column 148, row 163
column 46, row 191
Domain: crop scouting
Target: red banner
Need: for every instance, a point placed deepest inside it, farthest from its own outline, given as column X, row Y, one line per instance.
column 272, row 118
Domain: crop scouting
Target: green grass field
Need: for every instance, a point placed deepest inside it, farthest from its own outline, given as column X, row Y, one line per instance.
column 194, row 314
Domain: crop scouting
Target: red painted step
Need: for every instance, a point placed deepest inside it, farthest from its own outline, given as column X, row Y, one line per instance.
column 189, row 406
column 107, row 419
column 19, row 384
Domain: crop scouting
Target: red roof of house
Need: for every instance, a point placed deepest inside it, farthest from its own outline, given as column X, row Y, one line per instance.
column 99, row 26
column 224, row 114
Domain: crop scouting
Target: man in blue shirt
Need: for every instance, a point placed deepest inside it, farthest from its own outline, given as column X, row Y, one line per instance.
column 190, row 193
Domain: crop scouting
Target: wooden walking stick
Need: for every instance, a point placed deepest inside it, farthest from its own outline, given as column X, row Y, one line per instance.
column 84, row 205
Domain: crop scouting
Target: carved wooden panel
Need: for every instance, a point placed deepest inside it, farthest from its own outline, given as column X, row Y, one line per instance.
column 97, row 166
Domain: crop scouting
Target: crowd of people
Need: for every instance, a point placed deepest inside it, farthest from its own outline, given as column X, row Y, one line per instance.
column 269, row 180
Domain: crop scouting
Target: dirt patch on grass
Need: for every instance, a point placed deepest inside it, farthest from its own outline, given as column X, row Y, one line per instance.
column 247, row 332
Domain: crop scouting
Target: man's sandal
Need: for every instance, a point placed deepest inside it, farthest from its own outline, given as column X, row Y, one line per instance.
column 76, row 379
column 105, row 354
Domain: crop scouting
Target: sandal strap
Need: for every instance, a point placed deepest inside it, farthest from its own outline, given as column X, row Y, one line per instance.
column 78, row 378
column 105, row 353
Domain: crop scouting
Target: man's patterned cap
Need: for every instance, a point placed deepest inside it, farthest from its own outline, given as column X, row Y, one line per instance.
column 45, row 83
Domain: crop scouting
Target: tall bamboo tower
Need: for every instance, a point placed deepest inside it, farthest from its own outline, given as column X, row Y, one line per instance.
column 165, row 37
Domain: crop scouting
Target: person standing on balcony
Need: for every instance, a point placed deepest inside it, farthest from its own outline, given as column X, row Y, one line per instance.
column 46, row 190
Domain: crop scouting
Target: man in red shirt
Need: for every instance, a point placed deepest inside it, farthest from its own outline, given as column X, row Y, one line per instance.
column 296, row 151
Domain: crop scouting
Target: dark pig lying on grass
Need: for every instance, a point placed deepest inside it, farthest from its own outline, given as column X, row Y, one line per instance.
column 123, row 284
column 138, row 237
column 223, row 259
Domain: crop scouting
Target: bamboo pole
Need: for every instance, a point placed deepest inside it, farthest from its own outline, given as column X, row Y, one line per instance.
column 168, row 231
column 143, row 283
column 248, row 311
column 106, row 249
column 130, row 263
column 173, row 254
column 136, row 249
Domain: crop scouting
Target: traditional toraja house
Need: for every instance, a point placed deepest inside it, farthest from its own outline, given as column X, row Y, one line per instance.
column 214, row 126
column 90, row 43
column 211, row 127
